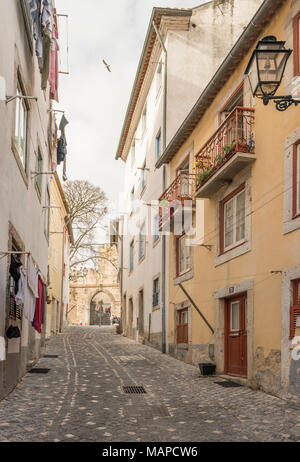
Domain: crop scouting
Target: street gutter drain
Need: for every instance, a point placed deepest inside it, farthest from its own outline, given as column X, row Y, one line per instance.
column 134, row 389
column 50, row 356
column 228, row 384
column 39, row 370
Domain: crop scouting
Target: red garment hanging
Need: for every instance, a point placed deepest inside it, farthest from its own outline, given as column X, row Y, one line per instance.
column 38, row 317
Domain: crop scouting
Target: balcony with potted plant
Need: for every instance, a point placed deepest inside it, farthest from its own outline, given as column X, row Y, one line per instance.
column 226, row 152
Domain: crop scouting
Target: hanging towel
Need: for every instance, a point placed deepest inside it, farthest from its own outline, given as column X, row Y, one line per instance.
column 38, row 316
column 29, row 304
column 21, row 291
column 53, row 75
column 46, row 57
column 32, row 277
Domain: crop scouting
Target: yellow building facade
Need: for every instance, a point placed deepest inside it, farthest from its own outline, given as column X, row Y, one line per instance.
column 60, row 237
column 237, row 161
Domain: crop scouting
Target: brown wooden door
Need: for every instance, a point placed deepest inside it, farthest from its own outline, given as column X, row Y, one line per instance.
column 236, row 336
column 182, row 327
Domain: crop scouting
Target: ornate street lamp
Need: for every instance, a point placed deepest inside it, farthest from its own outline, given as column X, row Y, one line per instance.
column 265, row 71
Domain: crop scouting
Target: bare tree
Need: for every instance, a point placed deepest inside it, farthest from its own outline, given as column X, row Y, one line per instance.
column 87, row 206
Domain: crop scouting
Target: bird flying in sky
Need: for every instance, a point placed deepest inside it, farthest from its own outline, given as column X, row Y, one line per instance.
column 106, row 65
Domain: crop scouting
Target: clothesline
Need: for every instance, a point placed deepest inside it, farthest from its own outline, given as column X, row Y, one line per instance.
column 12, row 252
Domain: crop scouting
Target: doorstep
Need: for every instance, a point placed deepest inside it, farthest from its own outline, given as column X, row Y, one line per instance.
column 233, row 378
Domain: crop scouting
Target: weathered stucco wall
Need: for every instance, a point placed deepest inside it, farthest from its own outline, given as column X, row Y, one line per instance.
column 20, row 203
column 271, row 247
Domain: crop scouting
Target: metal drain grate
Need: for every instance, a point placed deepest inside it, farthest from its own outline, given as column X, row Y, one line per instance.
column 134, row 389
column 50, row 356
column 39, row 370
column 228, row 384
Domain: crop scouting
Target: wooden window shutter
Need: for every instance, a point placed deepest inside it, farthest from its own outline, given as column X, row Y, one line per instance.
column 294, row 313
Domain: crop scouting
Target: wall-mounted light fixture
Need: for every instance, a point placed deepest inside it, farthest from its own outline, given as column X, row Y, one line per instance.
column 265, row 72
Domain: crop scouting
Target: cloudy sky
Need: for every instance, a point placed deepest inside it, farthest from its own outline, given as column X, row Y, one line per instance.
column 95, row 100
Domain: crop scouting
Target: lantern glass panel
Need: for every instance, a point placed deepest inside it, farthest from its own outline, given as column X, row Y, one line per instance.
column 271, row 65
column 253, row 76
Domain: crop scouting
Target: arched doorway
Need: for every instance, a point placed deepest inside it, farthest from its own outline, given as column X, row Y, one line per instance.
column 101, row 308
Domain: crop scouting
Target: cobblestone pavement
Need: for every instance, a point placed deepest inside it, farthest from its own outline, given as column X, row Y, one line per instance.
column 81, row 398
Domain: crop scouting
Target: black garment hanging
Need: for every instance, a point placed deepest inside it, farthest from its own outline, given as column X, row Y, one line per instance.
column 61, row 151
column 14, row 270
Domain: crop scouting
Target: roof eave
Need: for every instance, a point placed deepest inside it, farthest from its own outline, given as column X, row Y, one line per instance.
column 157, row 13
column 234, row 57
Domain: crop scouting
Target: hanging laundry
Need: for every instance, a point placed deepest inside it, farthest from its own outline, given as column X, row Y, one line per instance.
column 21, row 290
column 32, row 277
column 14, row 270
column 63, row 123
column 47, row 15
column 29, row 304
column 61, row 151
column 35, row 11
column 46, row 57
column 38, row 316
column 53, row 75
column 64, row 175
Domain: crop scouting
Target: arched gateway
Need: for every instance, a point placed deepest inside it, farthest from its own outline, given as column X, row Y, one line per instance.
column 102, row 305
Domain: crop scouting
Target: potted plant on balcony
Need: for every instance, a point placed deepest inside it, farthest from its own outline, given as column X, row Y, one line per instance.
column 228, row 148
column 202, row 175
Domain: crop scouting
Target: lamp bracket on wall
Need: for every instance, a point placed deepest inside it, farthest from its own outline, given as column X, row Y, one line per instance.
column 207, row 246
column 281, row 102
column 56, row 110
column 34, row 174
column 12, row 98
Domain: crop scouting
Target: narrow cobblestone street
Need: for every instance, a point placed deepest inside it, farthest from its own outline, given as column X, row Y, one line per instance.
column 81, row 398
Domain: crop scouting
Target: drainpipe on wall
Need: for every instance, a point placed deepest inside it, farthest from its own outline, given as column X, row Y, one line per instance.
column 120, row 237
column 163, row 268
column 62, row 283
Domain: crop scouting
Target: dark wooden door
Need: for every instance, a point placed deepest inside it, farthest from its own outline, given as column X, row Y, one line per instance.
column 236, row 336
column 141, row 313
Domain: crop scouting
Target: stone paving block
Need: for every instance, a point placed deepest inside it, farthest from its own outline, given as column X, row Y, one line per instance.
column 81, row 398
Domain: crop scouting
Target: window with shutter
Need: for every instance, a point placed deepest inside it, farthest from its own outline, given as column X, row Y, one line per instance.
column 295, row 308
column 296, row 27
column 296, row 179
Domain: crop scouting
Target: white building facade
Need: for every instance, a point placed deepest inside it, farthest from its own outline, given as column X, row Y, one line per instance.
column 25, row 153
column 182, row 51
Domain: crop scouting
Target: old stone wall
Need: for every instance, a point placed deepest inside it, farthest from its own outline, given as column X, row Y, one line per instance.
column 92, row 288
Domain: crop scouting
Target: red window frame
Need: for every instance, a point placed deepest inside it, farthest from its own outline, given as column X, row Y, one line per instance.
column 296, row 206
column 296, row 47
column 182, row 328
column 221, row 219
column 295, row 308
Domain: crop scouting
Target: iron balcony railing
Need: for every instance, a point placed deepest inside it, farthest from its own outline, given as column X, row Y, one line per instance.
column 234, row 135
column 180, row 190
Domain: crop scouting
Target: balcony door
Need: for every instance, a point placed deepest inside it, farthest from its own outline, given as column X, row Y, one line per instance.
column 229, row 133
column 237, row 99
column 184, row 186
column 236, row 336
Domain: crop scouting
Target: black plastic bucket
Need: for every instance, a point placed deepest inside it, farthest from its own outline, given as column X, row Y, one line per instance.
column 207, row 368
